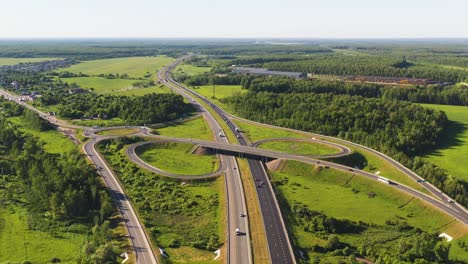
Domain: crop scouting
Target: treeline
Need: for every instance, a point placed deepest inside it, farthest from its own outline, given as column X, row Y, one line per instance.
column 400, row 129
column 401, row 126
column 150, row 108
column 431, row 94
column 335, row 64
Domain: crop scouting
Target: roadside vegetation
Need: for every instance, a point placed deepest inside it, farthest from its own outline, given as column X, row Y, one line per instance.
column 300, row 148
column 339, row 215
column 178, row 158
column 118, row 131
column 54, row 207
column 193, row 128
column 183, row 218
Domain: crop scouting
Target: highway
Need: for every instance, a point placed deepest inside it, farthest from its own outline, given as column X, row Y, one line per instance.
column 234, row 148
column 238, row 249
column 280, row 247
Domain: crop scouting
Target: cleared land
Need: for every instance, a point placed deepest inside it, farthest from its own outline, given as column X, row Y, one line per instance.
column 135, row 67
column 54, row 141
column 452, row 153
column 18, row 243
column 178, row 158
column 194, row 128
column 302, row 148
column 344, row 196
column 13, row 61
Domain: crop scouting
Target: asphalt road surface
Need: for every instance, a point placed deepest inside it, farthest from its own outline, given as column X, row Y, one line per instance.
column 277, row 236
column 239, row 249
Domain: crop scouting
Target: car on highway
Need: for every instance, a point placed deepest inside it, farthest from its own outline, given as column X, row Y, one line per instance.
column 242, row 215
column 238, row 232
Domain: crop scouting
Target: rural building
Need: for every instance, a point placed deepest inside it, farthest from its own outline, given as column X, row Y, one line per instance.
column 14, row 84
column 267, row 72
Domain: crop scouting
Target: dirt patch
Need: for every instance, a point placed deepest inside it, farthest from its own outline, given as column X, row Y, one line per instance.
column 199, row 150
column 274, row 164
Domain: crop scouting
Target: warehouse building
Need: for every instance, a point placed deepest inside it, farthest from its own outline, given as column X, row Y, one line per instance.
column 267, row 72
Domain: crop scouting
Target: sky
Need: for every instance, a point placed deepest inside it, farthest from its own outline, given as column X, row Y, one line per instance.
column 234, row 19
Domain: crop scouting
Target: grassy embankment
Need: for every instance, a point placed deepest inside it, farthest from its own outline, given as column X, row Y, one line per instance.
column 220, row 91
column 13, row 61
column 344, row 196
column 178, row 158
column 191, row 70
column 452, row 153
column 138, row 69
column 186, row 220
column 196, row 128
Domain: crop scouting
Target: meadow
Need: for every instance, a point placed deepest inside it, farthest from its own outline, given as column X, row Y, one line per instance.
column 178, row 158
column 346, row 196
column 193, row 128
column 18, row 243
column 219, row 92
column 134, row 67
column 453, row 150
column 13, row 61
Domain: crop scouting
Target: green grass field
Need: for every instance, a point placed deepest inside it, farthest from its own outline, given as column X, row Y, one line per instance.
column 18, row 243
column 191, row 70
column 344, row 196
column 177, row 158
column 194, row 128
column 135, row 67
column 54, row 141
column 302, row 148
column 118, row 132
column 453, row 150
column 114, row 86
column 13, row 61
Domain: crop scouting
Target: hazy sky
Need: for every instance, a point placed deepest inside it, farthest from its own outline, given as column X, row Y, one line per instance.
column 233, row 18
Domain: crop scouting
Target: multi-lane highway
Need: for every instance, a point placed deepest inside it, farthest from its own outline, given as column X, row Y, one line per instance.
column 238, row 249
column 279, row 246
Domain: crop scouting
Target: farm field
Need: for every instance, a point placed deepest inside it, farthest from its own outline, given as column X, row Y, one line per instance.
column 13, row 61
column 194, row 128
column 102, row 85
column 302, row 148
column 176, row 216
column 344, row 196
column 453, row 151
column 134, row 67
column 18, row 243
column 178, row 158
